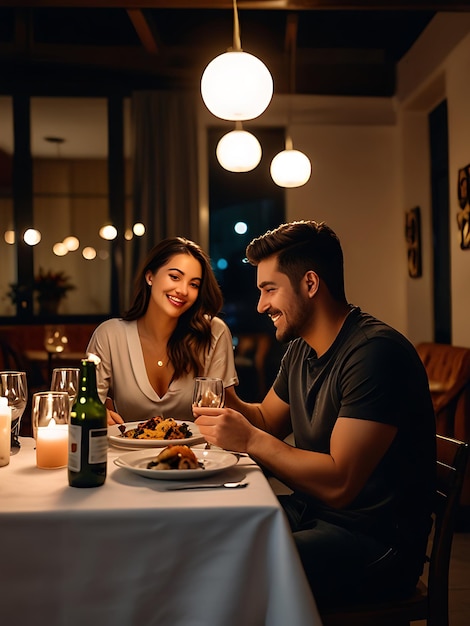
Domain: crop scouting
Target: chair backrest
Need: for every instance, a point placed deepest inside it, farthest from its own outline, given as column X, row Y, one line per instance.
column 452, row 457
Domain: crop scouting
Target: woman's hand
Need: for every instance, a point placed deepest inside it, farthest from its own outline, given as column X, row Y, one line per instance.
column 223, row 427
column 113, row 417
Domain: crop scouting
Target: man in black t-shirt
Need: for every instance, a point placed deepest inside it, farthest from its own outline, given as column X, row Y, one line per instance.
column 355, row 394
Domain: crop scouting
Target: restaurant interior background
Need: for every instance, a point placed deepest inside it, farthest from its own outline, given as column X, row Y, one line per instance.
column 379, row 147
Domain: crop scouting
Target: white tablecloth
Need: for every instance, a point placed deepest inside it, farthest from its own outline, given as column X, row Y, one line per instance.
column 131, row 554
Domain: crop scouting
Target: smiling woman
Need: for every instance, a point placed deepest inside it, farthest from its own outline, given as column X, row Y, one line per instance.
column 169, row 335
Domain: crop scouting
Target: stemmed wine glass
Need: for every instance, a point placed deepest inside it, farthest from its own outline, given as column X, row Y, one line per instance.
column 66, row 379
column 14, row 387
column 208, row 392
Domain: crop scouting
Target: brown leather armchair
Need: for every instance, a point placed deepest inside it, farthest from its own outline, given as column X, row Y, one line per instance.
column 448, row 369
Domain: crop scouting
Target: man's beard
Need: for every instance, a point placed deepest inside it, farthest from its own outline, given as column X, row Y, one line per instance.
column 295, row 327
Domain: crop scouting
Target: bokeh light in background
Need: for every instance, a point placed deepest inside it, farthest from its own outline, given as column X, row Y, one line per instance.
column 108, row 232
column 240, row 228
column 32, row 237
column 71, row 243
column 59, row 249
column 139, row 229
column 89, row 253
column 9, row 236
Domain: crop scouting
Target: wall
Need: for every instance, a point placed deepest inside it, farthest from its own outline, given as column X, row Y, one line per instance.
column 437, row 67
column 354, row 188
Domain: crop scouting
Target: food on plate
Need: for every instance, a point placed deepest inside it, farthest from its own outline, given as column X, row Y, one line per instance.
column 175, row 457
column 157, row 428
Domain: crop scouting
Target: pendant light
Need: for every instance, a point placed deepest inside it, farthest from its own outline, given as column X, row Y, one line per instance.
column 236, row 85
column 239, row 150
column 291, row 168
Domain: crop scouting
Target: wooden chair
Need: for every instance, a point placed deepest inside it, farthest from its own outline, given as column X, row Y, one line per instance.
column 430, row 601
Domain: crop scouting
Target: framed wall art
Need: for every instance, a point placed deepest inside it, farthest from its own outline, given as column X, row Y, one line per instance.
column 413, row 241
column 463, row 216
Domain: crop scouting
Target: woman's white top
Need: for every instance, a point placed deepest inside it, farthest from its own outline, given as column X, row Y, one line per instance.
column 122, row 376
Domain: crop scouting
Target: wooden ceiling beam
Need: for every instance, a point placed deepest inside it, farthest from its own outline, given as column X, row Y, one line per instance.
column 289, row 5
column 144, row 30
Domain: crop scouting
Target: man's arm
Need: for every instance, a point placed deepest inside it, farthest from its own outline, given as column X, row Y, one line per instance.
column 356, row 448
column 271, row 415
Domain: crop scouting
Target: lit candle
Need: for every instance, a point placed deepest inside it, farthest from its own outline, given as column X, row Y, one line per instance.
column 5, row 432
column 52, row 446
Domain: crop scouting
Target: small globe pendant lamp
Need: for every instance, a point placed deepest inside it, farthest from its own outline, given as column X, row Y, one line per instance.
column 236, row 85
column 238, row 150
column 290, row 168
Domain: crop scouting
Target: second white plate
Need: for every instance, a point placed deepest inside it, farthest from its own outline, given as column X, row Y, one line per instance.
column 213, row 461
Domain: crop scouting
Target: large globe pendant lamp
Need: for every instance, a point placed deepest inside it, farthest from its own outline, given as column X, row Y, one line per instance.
column 290, row 168
column 236, row 85
column 239, row 150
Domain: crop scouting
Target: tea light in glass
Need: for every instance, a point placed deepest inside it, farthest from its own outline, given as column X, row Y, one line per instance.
column 50, row 428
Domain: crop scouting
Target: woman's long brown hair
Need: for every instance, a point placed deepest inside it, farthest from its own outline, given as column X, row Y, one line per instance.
column 191, row 339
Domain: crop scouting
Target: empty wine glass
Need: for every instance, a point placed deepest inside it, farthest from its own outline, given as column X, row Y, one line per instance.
column 66, row 379
column 14, row 387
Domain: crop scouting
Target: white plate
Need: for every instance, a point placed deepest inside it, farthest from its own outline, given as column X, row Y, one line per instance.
column 114, row 436
column 214, row 461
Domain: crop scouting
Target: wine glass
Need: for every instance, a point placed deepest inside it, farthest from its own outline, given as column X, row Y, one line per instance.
column 14, row 387
column 208, row 392
column 66, row 379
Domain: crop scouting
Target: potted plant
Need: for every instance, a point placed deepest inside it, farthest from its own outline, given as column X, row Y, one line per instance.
column 50, row 287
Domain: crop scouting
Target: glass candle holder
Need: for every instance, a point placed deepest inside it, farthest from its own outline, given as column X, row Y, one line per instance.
column 50, row 416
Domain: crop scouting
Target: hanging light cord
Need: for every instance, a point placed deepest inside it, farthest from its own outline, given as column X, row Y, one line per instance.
column 291, row 44
column 237, row 44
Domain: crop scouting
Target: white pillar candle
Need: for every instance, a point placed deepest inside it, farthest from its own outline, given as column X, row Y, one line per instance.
column 5, row 432
column 52, row 446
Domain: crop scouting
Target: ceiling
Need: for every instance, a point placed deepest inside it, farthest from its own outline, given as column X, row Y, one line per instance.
column 91, row 47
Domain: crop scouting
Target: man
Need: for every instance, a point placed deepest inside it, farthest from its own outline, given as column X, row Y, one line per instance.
column 355, row 395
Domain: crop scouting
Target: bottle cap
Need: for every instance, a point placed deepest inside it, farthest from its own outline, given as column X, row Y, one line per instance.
column 93, row 358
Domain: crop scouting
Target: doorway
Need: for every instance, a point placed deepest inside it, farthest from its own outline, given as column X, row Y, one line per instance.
column 438, row 137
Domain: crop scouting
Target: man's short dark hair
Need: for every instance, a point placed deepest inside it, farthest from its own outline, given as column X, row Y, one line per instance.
column 302, row 246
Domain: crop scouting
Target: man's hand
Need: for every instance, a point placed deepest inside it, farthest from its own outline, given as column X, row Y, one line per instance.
column 225, row 428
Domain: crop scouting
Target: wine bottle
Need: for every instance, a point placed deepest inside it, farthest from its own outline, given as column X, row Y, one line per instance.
column 88, row 431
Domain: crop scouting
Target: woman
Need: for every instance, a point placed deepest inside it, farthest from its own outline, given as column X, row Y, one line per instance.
column 169, row 335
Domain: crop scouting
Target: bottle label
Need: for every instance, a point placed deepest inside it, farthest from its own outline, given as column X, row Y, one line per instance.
column 75, row 447
column 98, row 445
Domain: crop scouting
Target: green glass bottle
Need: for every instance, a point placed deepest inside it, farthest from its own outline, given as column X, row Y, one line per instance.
column 88, row 432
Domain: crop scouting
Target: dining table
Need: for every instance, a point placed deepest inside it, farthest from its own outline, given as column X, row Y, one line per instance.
column 136, row 552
